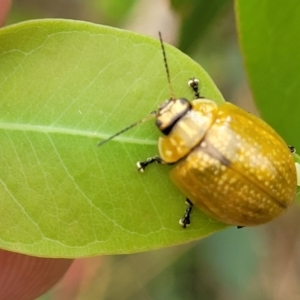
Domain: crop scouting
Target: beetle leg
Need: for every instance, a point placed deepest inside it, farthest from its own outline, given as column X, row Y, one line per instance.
column 239, row 227
column 292, row 149
column 185, row 220
column 194, row 84
column 141, row 165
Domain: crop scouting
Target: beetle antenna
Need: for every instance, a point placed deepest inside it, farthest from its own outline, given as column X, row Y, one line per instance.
column 152, row 114
column 149, row 117
column 166, row 65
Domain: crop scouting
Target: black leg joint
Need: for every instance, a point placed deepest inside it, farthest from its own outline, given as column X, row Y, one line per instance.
column 194, row 84
column 141, row 165
column 292, row 149
column 185, row 221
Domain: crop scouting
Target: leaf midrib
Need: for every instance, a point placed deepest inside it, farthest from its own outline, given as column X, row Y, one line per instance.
column 67, row 131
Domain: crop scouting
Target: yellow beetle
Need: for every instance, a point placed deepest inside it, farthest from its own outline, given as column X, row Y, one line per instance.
column 230, row 164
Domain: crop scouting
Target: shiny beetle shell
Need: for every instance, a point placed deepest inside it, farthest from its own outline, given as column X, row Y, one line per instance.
column 230, row 164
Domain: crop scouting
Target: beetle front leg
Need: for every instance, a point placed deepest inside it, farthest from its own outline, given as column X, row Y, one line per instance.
column 194, row 84
column 186, row 219
column 141, row 165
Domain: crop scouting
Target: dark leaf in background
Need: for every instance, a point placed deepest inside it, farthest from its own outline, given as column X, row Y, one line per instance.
column 197, row 16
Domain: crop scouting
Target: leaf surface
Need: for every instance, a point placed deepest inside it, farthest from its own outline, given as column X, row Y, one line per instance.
column 64, row 86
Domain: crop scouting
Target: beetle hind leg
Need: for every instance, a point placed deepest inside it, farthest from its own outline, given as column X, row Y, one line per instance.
column 185, row 221
column 292, row 149
column 141, row 165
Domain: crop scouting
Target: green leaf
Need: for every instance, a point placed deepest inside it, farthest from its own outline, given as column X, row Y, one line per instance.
column 197, row 17
column 270, row 41
column 64, row 86
column 114, row 10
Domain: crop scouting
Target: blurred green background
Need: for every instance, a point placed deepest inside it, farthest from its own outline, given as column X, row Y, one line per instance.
column 251, row 263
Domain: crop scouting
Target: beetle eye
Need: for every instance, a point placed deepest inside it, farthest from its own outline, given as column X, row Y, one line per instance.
column 170, row 112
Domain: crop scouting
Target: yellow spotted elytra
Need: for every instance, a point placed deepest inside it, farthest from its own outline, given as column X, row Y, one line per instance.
column 227, row 162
